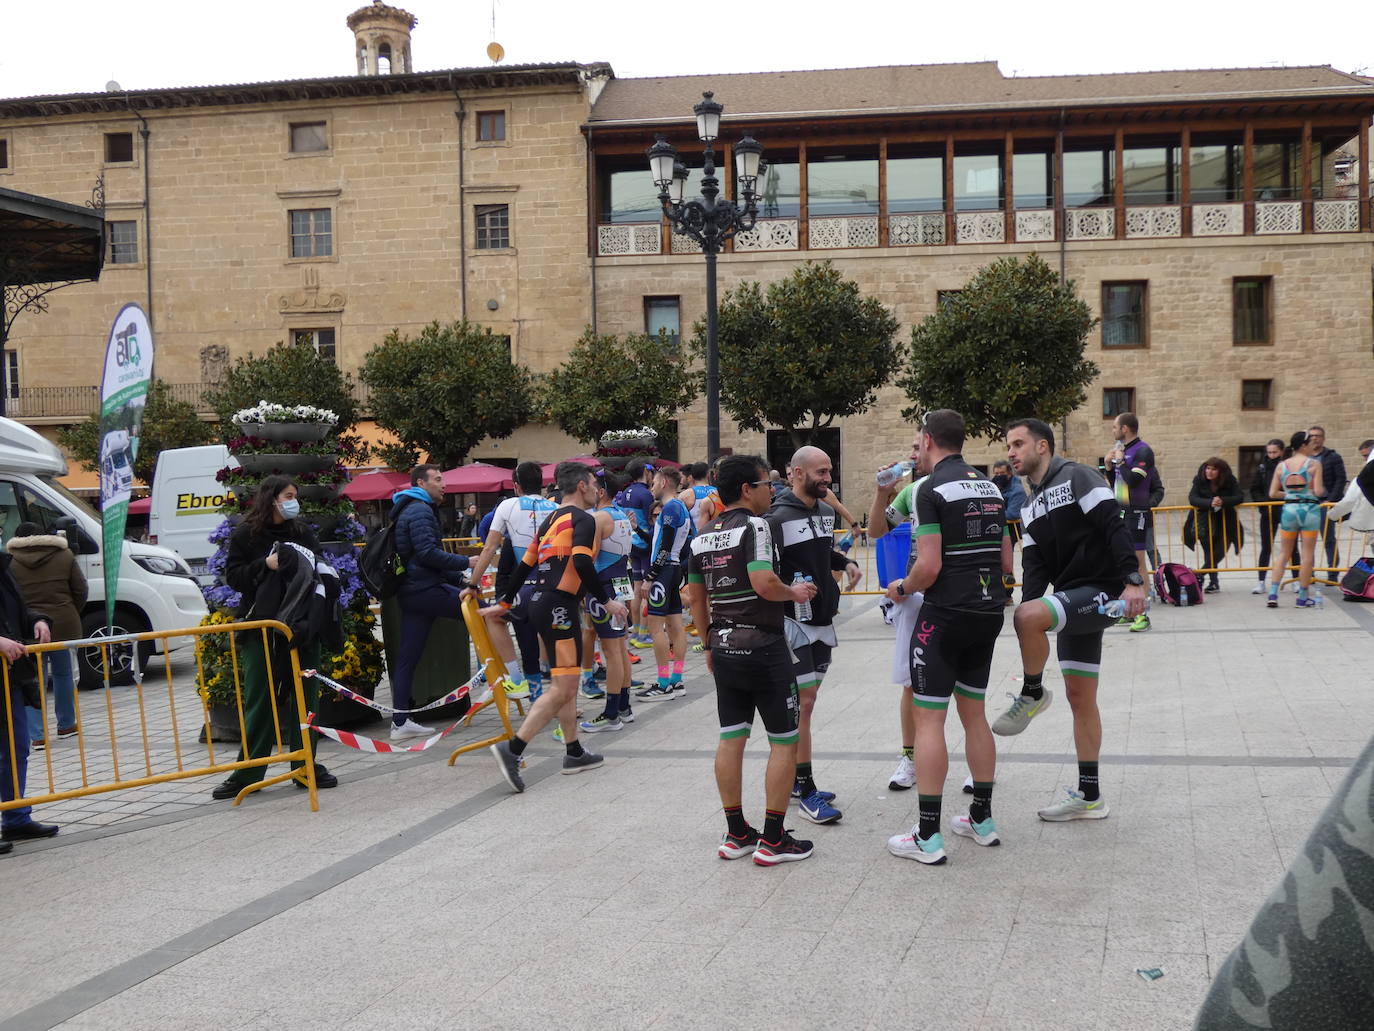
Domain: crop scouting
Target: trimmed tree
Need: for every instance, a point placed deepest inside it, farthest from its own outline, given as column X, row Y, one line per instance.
column 1009, row 345
column 448, row 389
column 167, row 423
column 809, row 350
column 611, row 382
column 287, row 374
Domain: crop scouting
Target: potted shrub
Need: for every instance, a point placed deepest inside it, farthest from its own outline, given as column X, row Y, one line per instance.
column 285, row 422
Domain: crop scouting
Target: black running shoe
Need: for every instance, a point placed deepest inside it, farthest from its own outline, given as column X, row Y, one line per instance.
column 788, row 850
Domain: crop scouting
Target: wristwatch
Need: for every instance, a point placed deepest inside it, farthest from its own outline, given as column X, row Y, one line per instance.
column 1135, row 579
column 901, row 590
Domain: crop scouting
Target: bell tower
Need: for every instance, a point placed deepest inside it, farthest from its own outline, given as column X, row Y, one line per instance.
column 382, row 38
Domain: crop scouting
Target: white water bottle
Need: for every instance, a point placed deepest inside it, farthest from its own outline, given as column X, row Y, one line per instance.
column 1319, row 600
column 1183, row 597
column 887, row 477
column 803, row 607
column 1116, row 608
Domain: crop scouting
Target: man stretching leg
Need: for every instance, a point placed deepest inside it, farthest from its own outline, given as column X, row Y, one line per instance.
column 1074, row 538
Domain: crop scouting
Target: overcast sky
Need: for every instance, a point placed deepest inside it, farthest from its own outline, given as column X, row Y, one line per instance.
column 76, row 46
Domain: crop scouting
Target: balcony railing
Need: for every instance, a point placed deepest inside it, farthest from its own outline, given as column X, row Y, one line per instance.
column 1039, row 225
column 80, row 401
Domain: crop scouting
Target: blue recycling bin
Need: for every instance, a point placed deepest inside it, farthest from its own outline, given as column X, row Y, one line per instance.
column 894, row 552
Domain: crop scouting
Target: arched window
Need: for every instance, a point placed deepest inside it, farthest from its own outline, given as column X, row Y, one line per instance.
column 384, row 59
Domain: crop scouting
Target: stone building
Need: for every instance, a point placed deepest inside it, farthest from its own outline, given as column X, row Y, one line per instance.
column 1214, row 220
column 325, row 212
column 1218, row 221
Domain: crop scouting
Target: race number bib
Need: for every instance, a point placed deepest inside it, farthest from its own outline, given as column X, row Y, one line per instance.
column 624, row 591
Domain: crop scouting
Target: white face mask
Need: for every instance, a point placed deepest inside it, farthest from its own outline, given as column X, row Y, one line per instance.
column 290, row 508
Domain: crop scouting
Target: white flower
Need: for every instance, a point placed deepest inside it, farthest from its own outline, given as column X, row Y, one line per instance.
column 267, row 411
column 613, row 435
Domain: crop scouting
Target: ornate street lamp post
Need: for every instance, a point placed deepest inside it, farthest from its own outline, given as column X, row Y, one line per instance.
column 710, row 220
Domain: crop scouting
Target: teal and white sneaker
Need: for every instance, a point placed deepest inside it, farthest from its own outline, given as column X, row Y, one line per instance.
column 1023, row 709
column 984, row 833
column 931, row 851
column 1074, row 807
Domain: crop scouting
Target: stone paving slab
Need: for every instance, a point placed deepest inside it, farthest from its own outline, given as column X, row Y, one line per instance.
column 427, row 896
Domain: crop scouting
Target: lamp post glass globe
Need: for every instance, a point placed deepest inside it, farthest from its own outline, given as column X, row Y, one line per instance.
column 678, row 190
column 662, row 157
column 708, row 117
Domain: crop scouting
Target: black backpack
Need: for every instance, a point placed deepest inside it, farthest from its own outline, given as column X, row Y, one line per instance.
column 378, row 564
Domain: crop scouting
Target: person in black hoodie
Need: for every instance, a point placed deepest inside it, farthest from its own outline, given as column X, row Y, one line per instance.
column 1269, row 512
column 259, row 563
column 803, row 529
column 17, row 621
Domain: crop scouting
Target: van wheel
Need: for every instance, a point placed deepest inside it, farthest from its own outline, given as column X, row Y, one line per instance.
column 90, row 662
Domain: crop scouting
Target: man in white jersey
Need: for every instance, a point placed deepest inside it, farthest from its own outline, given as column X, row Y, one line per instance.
column 513, row 529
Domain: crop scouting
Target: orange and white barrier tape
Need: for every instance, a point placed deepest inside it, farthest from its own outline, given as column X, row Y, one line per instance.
column 461, row 691
column 374, row 745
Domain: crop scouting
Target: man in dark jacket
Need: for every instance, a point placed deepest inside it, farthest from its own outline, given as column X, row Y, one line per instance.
column 1334, row 482
column 1269, row 512
column 17, row 621
column 803, row 530
column 429, row 588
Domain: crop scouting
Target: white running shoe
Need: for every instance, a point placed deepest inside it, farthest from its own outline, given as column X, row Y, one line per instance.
column 1074, row 807
column 1259, row 588
column 1022, row 710
column 904, row 776
column 410, row 729
column 984, row 833
column 968, row 784
column 910, row 846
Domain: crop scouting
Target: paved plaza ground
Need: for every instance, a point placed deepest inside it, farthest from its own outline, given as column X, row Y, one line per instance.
column 427, row 896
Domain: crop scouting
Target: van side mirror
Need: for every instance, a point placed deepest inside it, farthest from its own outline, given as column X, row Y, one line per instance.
column 77, row 539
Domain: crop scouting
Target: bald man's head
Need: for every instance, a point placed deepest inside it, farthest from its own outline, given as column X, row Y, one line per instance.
column 809, row 473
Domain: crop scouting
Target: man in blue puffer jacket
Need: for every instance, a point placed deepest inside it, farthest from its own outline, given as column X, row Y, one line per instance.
column 429, row 588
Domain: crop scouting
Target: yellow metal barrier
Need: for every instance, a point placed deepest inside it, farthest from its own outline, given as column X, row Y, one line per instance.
column 495, row 671
column 98, row 738
column 1258, row 523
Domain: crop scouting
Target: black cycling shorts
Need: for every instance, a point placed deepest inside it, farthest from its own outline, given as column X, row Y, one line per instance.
column 664, row 597
column 810, row 663
column 556, row 616
column 1139, row 523
column 1074, row 616
column 601, row 619
column 951, row 652
column 759, row 680
column 639, row 565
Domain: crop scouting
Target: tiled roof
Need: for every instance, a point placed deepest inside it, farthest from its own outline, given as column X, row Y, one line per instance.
column 951, row 87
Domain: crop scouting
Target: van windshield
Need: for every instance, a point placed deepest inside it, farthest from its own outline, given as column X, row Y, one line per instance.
column 75, row 501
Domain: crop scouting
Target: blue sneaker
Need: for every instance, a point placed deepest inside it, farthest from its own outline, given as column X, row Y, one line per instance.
column 817, row 809
column 590, row 688
column 985, row 833
column 931, row 851
column 825, row 796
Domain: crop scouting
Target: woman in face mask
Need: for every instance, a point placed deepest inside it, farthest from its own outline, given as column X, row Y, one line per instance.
column 259, row 553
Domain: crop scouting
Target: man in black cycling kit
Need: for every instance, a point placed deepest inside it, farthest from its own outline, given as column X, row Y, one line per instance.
column 739, row 596
column 1074, row 537
column 964, row 550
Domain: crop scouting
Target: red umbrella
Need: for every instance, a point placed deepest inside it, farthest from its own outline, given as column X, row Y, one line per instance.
column 477, row 478
column 376, row 486
column 588, row 460
column 140, row 506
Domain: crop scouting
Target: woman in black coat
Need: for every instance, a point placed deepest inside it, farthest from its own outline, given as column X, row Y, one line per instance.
column 255, row 564
column 1214, row 497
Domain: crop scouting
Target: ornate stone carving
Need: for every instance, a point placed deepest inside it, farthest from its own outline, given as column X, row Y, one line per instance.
column 853, row 231
column 916, row 230
column 629, row 238
column 980, row 227
column 310, row 298
column 1218, row 219
column 1166, row 221
column 214, row 363
column 1336, row 216
column 1034, row 226
column 1278, row 217
column 769, row 234
column 1091, row 223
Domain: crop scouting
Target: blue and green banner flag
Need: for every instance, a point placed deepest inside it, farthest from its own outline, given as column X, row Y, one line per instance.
column 123, row 395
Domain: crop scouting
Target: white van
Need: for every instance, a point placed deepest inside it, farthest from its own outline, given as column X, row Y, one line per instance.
column 156, row 589
column 116, row 474
column 186, row 501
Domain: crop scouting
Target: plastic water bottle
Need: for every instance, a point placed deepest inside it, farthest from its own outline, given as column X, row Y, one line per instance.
column 803, row 607
column 1116, row 608
column 1183, row 598
column 1319, row 601
column 887, row 477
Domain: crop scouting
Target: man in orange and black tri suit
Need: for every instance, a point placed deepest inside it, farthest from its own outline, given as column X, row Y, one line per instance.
column 564, row 551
